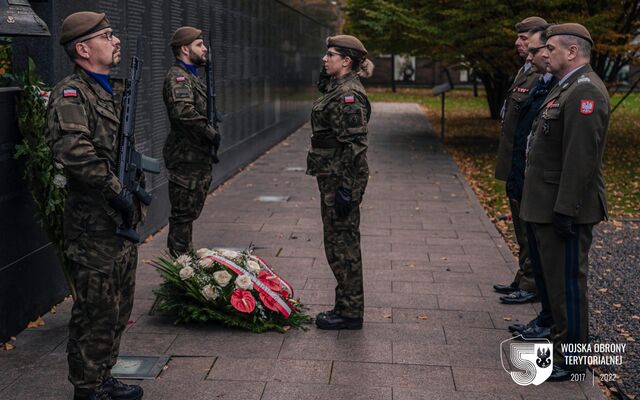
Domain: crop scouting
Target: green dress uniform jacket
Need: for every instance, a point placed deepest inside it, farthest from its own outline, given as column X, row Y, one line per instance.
column 565, row 150
column 516, row 99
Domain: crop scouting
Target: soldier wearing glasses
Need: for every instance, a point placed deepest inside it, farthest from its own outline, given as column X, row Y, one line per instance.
column 523, row 288
column 83, row 119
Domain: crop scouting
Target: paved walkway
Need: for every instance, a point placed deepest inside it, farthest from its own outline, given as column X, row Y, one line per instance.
column 433, row 325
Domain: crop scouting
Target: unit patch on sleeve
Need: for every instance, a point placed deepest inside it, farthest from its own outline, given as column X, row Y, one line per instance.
column 70, row 92
column 586, row 106
column 349, row 99
column 180, row 78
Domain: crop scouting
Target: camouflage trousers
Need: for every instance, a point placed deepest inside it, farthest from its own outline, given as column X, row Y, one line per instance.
column 105, row 283
column 187, row 194
column 342, row 248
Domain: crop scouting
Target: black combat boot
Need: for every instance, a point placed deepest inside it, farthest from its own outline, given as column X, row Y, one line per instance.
column 121, row 391
column 97, row 394
column 331, row 321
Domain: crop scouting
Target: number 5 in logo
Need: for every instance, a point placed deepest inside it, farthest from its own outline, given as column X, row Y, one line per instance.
column 529, row 361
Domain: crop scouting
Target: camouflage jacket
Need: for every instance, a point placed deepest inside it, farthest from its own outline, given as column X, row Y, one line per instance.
column 82, row 131
column 339, row 141
column 188, row 145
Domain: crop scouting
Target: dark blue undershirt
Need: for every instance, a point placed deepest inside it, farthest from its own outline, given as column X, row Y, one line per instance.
column 190, row 67
column 103, row 80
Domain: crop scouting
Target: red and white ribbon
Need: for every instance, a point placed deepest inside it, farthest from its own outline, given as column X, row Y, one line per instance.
column 286, row 284
column 280, row 304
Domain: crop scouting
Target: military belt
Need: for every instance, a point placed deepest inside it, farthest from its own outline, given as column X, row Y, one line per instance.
column 324, row 143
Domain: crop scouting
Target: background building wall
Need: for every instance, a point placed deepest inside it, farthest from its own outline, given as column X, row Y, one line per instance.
column 267, row 59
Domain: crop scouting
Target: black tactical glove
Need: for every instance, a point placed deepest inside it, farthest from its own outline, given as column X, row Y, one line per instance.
column 123, row 202
column 343, row 202
column 563, row 225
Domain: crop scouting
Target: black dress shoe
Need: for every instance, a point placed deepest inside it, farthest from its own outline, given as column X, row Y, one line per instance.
column 535, row 332
column 121, row 391
column 559, row 374
column 519, row 297
column 505, row 289
column 333, row 321
column 520, row 327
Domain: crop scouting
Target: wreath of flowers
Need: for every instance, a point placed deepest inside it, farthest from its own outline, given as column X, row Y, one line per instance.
column 237, row 289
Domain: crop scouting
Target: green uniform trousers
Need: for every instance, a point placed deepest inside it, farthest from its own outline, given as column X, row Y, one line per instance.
column 524, row 276
column 342, row 248
column 187, row 200
column 565, row 265
column 101, row 311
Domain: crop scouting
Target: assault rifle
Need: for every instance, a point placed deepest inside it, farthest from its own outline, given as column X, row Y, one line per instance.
column 212, row 112
column 131, row 164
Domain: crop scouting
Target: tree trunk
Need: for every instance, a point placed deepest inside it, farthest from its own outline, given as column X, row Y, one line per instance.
column 496, row 88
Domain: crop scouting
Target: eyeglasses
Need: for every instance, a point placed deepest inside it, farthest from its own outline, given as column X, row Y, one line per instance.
column 108, row 35
column 331, row 54
column 535, row 50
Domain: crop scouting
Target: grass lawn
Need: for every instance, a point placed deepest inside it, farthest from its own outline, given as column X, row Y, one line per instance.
column 472, row 139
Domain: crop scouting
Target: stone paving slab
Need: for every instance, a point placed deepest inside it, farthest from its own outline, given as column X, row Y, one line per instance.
column 433, row 324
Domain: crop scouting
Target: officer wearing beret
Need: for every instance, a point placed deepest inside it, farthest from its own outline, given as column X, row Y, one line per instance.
column 523, row 288
column 338, row 159
column 188, row 148
column 564, row 193
column 83, row 118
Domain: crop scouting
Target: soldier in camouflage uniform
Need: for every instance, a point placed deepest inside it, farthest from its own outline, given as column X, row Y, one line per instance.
column 189, row 146
column 338, row 159
column 83, row 119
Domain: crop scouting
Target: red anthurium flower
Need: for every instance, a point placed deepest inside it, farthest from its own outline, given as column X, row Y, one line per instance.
column 268, row 302
column 243, row 301
column 272, row 281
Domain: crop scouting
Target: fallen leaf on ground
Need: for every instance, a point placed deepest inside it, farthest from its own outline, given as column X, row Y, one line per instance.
column 388, row 316
column 603, row 290
column 617, row 305
column 7, row 346
column 506, row 318
column 422, row 317
column 35, row 324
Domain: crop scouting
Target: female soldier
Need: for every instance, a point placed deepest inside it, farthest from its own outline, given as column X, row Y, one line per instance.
column 338, row 159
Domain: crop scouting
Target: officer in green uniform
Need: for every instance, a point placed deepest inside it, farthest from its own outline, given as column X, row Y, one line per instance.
column 564, row 193
column 523, row 288
column 191, row 141
column 338, row 159
column 82, row 125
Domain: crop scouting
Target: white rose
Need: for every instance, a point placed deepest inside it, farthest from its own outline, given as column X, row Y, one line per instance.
column 203, row 252
column 59, row 180
column 184, row 260
column 244, row 282
column 209, row 292
column 229, row 254
column 186, row 273
column 253, row 266
column 205, row 263
column 222, row 278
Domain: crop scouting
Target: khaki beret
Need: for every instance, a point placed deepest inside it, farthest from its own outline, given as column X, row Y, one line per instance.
column 347, row 41
column 572, row 29
column 530, row 23
column 80, row 24
column 184, row 36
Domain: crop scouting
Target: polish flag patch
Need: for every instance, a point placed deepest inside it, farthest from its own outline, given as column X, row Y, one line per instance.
column 349, row 99
column 586, row 106
column 69, row 93
column 181, row 79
